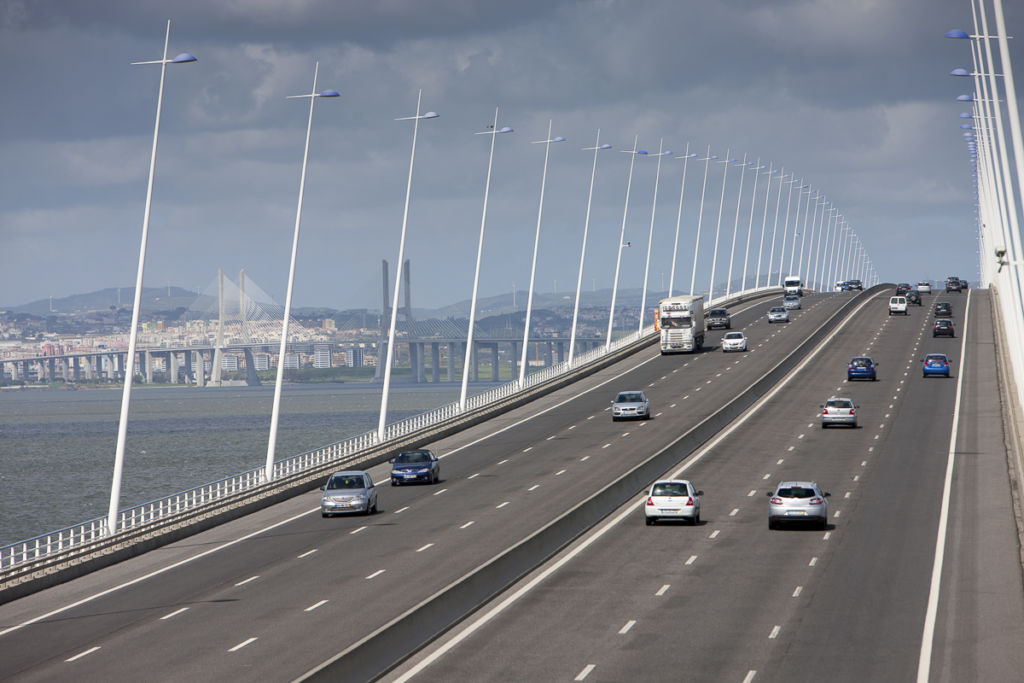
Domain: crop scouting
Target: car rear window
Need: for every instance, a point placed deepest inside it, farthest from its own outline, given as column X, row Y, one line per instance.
column 795, row 492
column 670, row 489
column 860, row 362
column 835, row 403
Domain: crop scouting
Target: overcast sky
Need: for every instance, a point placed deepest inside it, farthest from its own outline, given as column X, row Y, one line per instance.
column 851, row 95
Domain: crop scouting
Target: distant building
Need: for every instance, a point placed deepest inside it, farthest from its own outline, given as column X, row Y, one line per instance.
column 261, row 361
column 354, row 358
column 229, row 363
column 292, row 361
column 322, row 356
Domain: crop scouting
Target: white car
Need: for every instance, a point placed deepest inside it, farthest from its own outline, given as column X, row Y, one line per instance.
column 734, row 341
column 672, row 499
column 778, row 314
column 631, row 405
column 898, row 304
column 924, row 288
column 791, row 302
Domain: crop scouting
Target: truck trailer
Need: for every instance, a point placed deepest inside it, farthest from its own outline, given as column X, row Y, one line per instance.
column 681, row 324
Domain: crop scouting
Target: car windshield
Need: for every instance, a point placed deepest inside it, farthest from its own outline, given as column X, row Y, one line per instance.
column 629, row 397
column 718, row 312
column 346, row 482
column 795, row 492
column 777, row 309
column 670, row 488
column 667, row 323
column 412, row 457
column 734, row 335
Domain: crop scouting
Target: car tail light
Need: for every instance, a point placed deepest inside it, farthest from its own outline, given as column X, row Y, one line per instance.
column 689, row 501
column 824, row 411
column 815, row 501
column 776, row 500
column 851, row 412
column 650, row 501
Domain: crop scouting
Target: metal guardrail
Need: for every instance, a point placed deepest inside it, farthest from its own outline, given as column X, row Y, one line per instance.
column 163, row 510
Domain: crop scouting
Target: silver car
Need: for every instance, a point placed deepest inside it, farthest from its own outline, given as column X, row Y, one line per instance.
column 672, row 499
column 791, row 303
column 630, row 405
column 734, row 341
column 778, row 314
column 348, row 492
column 838, row 411
column 797, row 501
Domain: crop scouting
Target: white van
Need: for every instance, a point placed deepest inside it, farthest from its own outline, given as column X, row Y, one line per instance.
column 897, row 304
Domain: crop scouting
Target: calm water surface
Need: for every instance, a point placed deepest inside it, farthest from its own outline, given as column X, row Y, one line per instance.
column 57, row 447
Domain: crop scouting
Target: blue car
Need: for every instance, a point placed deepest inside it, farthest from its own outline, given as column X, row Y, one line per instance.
column 413, row 466
column 861, row 367
column 935, row 364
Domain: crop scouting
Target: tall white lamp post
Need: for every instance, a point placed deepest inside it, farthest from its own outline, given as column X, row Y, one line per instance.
column 775, row 228
column 622, row 236
column 750, row 223
column 679, row 216
column 700, row 217
column 390, row 354
column 536, row 243
column 736, row 220
column 468, row 359
column 129, row 367
column 650, row 236
column 785, row 229
column 718, row 225
column 313, row 96
column 583, row 251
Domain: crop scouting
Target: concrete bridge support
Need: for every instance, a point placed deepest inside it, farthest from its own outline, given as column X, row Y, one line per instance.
column 453, row 349
column 494, row 362
column 147, row 366
column 435, row 362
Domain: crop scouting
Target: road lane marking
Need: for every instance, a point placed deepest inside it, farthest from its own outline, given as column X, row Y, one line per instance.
column 356, row 531
column 559, row 472
column 376, row 573
column 535, row 486
column 752, row 492
column 625, row 434
column 767, row 476
column 527, row 449
column 467, row 525
column 625, row 629
column 501, row 506
column 421, row 549
column 658, row 414
column 734, row 512
column 586, row 672
column 503, row 461
column 438, row 493
column 813, row 562
column 828, row 535
column 242, row 644
column 798, row 591
column 315, row 605
column 401, row 509
column 572, row 428
column 846, row 495
column 251, row 578
column 473, row 476
column 307, row 553
column 780, row 461
column 792, row 448
column 714, row 534
column 584, row 458
column 663, row 589
column 692, row 559
column 82, row 654
column 606, row 445
column 775, row 632
column 553, row 436
column 174, row 613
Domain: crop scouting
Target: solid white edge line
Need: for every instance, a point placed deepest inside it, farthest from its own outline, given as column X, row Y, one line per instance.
column 924, row 662
column 627, row 509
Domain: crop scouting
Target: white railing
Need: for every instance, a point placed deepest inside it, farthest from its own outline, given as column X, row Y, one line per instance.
column 133, row 519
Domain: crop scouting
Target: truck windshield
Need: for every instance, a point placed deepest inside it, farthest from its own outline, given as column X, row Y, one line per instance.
column 667, row 323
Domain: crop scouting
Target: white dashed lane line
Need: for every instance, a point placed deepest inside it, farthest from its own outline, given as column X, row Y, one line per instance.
column 663, row 590
column 535, row 486
column 734, row 512
column 582, row 675
column 625, row 629
column 501, row 505
column 376, row 573
column 307, row 553
column 315, row 605
column 242, row 644
column 692, row 559
column 421, row 549
column 82, row 654
column 798, row 591
column 400, row 510
column 251, row 578
column 356, row 531
column 174, row 613
column 467, row 525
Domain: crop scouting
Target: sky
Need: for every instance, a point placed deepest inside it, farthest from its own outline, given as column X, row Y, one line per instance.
column 852, row 97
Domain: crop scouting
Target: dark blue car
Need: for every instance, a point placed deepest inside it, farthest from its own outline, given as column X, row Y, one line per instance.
column 861, row 367
column 413, row 466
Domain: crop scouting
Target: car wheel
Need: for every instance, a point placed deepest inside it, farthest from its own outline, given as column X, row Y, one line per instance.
column 649, row 521
column 696, row 519
column 393, row 483
column 824, row 524
column 771, row 524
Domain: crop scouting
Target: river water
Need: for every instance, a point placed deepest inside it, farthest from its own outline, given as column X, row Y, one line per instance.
column 57, row 446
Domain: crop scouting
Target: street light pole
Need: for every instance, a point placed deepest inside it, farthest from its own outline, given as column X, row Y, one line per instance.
column 268, row 473
column 700, row 217
column 401, row 263
column 129, row 368
column 679, row 215
column 622, row 235
column 583, row 250
column 750, row 222
column 775, row 227
column 718, row 225
column 468, row 358
column 650, row 237
column 736, row 221
column 796, row 227
column 536, row 243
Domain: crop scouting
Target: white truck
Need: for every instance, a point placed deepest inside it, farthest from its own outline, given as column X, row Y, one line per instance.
column 681, row 324
column 793, row 285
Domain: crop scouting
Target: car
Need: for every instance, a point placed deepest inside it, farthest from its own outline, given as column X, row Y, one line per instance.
column 856, row 284
column 913, row 298
column 943, row 327
column 953, row 284
column 842, row 286
column 898, row 304
column 718, row 317
column 924, row 288
column 631, row 404
column 902, row 288
column 791, row 302
column 798, row 501
column 935, row 364
column 861, row 367
column 734, row 341
column 943, row 309
column 348, row 492
column 672, row 499
column 839, row 411
column 778, row 314
column 413, row 466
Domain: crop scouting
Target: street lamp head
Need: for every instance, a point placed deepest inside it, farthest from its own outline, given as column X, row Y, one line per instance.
column 328, row 93
column 964, row 98
column 430, row 115
column 965, row 115
column 182, row 58
column 506, row 129
column 960, row 71
column 591, row 149
column 541, row 142
column 956, row 33
column 966, row 126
